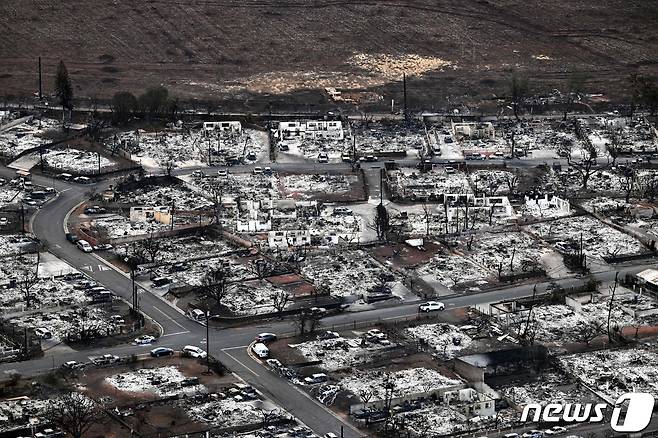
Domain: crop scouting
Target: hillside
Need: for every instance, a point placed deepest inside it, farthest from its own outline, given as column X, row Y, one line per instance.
column 248, row 48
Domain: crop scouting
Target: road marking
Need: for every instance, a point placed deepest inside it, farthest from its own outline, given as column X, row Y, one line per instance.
column 169, row 317
column 174, row 334
column 87, row 268
column 103, row 268
column 238, row 361
column 235, row 348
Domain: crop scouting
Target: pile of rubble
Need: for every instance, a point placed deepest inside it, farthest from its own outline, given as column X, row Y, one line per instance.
column 163, row 381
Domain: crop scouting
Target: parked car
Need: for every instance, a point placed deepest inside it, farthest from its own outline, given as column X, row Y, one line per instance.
column 316, row 378
column 283, row 147
column 555, row 430
column 369, row 158
column 450, row 170
column 267, row 171
column 84, row 246
column 260, row 350
column 511, row 435
column 71, row 237
column 431, row 306
column 103, row 247
column 258, row 170
column 264, row 338
column 65, row 176
column 72, row 365
column 346, row 158
column 194, row 351
column 323, row 158
column 162, row 351
column 144, row 340
column 222, row 173
column 197, row 174
column 82, row 180
column 533, row 434
column 106, row 359
column 43, row 333
column 3, row 222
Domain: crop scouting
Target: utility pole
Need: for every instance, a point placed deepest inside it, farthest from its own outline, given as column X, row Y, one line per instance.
column 208, row 339
column 404, row 88
column 172, row 213
column 22, row 218
column 381, row 185
column 40, row 88
column 99, row 163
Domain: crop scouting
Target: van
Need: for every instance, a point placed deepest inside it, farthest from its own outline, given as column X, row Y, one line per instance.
column 260, row 350
column 43, row 333
column 102, row 297
column 84, row 246
column 196, row 314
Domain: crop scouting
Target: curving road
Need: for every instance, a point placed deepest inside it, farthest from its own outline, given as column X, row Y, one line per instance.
column 228, row 345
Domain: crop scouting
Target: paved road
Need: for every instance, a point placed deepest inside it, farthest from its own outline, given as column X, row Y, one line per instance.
column 228, row 345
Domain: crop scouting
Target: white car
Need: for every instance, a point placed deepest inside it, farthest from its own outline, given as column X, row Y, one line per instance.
column 3, row 221
column 84, row 246
column 431, row 306
column 194, row 351
column 144, row 340
column 258, row 170
column 555, row 430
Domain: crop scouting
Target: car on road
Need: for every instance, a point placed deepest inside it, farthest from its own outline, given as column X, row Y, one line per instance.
column 71, row 237
column 106, row 359
column 264, row 338
column 258, row 170
column 555, row 430
column 194, row 351
column 511, row 435
column 222, row 173
column 330, row 435
column 82, row 180
column 3, row 222
column 197, row 174
column 94, row 210
column 72, row 365
column 103, row 247
column 431, row 306
column 144, row 340
column 533, row 434
column 260, row 350
column 369, row 158
column 284, row 147
column 162, row 351
column 84, row 246
column 323, row 158
column 450, row 170
column 346, row 158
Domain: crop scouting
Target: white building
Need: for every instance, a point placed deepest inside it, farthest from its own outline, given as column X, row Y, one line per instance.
column 332, row 129
column 473, row 131
column 285, row 239
column 230, row 126
column 497, row 206
column 147, row 214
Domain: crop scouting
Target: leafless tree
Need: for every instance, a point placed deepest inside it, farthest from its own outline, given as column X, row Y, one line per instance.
column 28, row 278
column 268, row 416
column 381, row 222
column 518, row 89
column 73, row 413
column 306, row 321
column 613, row 290
column 151, row 246
column 261, row 268
column 215, row 285
column 279, row 301
column 573, row 91
column 427, row 216
column 590, row 330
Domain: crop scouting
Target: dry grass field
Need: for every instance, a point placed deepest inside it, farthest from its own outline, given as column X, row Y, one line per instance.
column 244, row 49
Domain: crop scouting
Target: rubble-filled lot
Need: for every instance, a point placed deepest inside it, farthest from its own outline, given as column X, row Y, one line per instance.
column 152, row 195
column 26, row 136
column 71, row 324
column 615, row 372
column 190, row 147
column 405, row 382
column 599, row 240
column 14, row 244
column 11, row 195
column 16, row 414
column 414, row 185
column 385, row 139
column 169, row 248
column 561, row 324
column 338, row 352
column 454, row 271
column 548, row 387
column 77, row 161
column 162, row 381
column 245, row 186
column 114, row 226
column 446, row 339
column 493, row 182
column 346, row 273
column 322, row 187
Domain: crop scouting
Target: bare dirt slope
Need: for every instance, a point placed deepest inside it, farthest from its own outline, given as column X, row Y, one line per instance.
column 247, row 47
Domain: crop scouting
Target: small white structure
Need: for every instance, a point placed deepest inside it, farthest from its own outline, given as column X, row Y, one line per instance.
column 558, row 206
column 471, row 403
column 497, row 206
column 473, row 131
column 230, row 126
column 285, row 239
column 332, row 130
column 147, row 214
